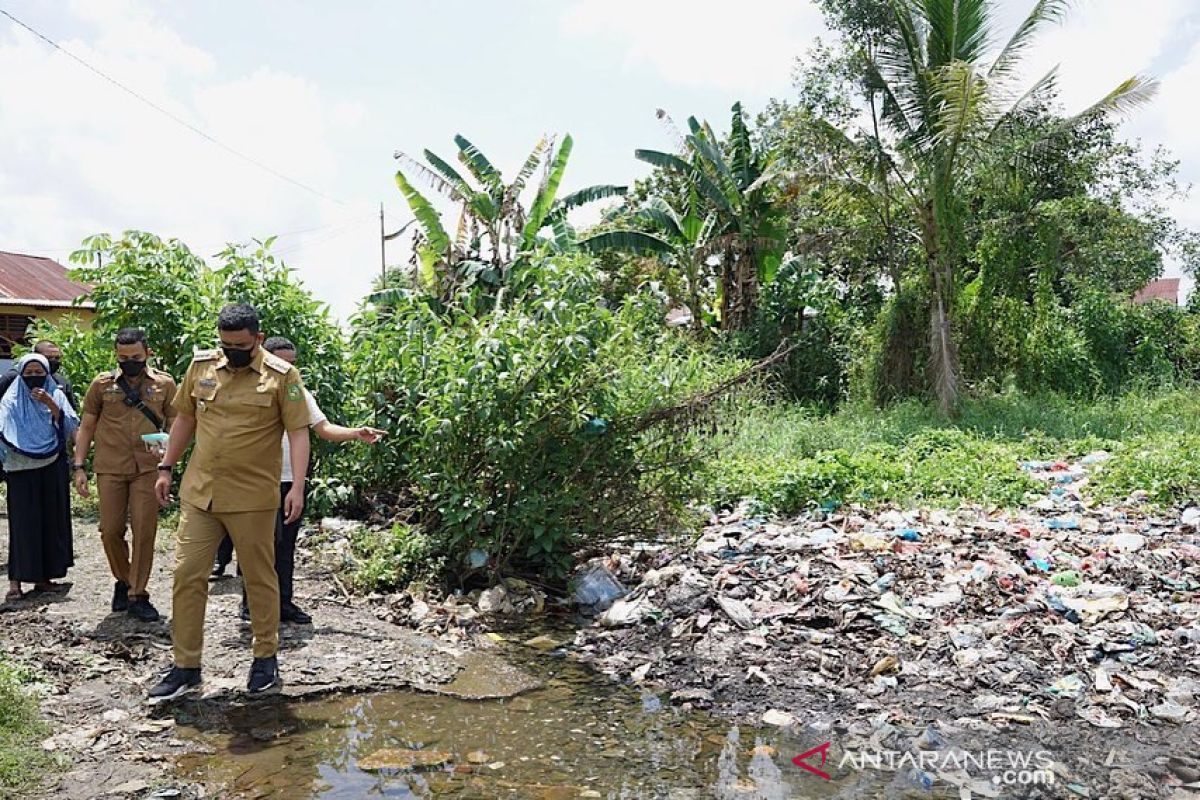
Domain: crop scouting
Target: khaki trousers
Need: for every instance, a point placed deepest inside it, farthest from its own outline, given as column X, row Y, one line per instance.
column 253, row 535
column 128, row 501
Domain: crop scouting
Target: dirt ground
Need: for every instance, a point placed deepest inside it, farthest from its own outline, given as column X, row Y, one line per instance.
column 98, row 665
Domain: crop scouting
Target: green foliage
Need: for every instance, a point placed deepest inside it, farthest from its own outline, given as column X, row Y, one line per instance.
column 517, row 429
column 789, row 458
column 22, row 762
column 393, row 557
column 1164, row 465
column 774, row 455
column 496, row 234
column 143, row 281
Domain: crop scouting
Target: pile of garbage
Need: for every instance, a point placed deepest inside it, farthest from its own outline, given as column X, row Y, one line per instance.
column 1065, row 610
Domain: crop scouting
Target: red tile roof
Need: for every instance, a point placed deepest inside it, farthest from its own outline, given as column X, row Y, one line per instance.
column 1162, row 289
column 37, row 281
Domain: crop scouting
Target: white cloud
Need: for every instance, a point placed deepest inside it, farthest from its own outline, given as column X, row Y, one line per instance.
column 703, row 44
column 1100, row 44
column 82, row 156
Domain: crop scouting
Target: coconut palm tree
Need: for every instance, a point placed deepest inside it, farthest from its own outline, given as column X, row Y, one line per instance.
column 945, row 99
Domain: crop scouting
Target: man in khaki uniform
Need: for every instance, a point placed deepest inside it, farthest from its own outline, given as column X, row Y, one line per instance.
column 120, row 406
column 238, row 402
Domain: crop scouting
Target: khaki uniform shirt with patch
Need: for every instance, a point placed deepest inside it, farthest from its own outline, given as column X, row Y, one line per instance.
column 240, row 416
column 119, row 427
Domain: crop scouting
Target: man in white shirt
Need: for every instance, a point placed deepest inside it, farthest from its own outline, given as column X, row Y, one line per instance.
column 287, row 532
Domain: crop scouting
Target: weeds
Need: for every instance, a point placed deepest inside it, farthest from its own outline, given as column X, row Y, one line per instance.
column 789, row 458
column 21, row 760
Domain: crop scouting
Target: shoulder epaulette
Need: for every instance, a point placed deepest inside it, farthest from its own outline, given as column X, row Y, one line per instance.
column 107, row 376
column 277, row 364
column 206, row 355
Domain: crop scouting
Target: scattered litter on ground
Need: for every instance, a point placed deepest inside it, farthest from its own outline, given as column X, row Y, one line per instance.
column 1066, row 615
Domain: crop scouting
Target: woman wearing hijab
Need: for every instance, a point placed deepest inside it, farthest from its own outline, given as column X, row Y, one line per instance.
column 36, row 420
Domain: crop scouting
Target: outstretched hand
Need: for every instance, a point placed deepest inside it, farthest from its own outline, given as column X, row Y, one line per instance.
column 368, row 435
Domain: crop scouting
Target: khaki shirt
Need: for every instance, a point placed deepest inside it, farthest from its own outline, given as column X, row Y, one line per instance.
column 119, row 427
column 240, row 416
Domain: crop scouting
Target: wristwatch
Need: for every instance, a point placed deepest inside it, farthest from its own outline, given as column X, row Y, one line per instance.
column 79, row 467
column 166, row 467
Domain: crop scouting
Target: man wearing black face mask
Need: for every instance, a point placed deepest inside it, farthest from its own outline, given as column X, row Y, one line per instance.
column 120, row 406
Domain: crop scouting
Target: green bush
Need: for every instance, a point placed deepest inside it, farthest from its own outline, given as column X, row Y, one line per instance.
column 393, row 557
column 22, row 762
column 142, row 281
column 521, row 430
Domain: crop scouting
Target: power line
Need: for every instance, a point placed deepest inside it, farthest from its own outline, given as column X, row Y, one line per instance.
column 178, row 120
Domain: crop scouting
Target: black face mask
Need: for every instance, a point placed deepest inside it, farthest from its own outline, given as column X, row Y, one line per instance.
column 55, row 363
column 238, row 358
column 34, row 381
column 131, row 369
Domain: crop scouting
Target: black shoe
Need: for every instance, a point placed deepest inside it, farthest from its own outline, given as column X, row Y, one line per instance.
column 120, row 596
column 176, row 683
column 140, row 609
column 244, row 613
column 290, row 612
column 218, row 571
column 264, row 676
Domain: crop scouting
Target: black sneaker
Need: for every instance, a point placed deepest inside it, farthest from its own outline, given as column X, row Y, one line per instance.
column 176, row 683
column 140, row 609
column 120, row 596
column 244, row 613
column 264, row 676
column 218, row 571
column 290, row 612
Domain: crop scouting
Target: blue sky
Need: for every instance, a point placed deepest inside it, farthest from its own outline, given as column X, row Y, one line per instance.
column 325, row 92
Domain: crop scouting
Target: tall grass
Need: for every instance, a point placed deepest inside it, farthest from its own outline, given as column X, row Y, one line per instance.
column 789, row 457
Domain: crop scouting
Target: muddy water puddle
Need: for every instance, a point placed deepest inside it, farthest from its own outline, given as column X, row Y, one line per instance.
column 576, row 736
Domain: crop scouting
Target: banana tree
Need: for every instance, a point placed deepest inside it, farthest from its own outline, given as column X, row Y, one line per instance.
column 736, row 187
column 494, row 229
column 946, row 103
column 688, row 240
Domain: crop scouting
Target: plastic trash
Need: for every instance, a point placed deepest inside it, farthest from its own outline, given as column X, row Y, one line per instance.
column 1126, row 542
column 1067, row 686
column 930, row 739
column 1041, row 562
column 1068, row 578
column 477, row 558
column 909, row 535
column 1063, row 524
column 597, row 587
column 626, row 612
column 737, row 611
column 595, row 427
column 1070, row 614
column 1186, row 636
column 914, row 779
